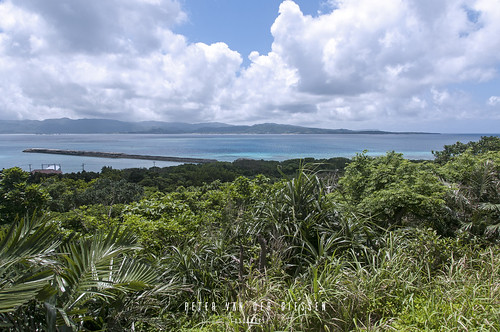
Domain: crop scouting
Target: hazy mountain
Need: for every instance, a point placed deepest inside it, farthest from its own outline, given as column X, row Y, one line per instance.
column 98, row 126
column 103, row 126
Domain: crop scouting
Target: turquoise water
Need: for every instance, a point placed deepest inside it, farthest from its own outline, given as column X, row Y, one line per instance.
column 220, row 147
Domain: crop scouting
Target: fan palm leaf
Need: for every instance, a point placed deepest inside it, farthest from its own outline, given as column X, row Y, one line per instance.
column 26, row 251
column 99, row 267
column 28, row 240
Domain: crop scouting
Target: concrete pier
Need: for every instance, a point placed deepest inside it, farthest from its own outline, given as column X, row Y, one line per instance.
column 99, row 154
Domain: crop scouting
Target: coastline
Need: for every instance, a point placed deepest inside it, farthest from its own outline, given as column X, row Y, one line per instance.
column 223, row 148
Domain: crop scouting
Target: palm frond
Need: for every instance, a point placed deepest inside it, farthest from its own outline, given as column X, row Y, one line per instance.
column 17, row 292
column 28, row 239
column 26, row 250
column 98, row 267
column 132, row 275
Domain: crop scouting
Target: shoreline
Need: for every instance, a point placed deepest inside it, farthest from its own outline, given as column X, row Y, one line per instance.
column 119, row 155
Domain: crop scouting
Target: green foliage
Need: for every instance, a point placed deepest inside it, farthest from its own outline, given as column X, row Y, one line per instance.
column 392, row 190
column 18, row 198
column 27, row 249
column 389, row 244
column 464, row 296
column 291, row 217
column 88, row 219
column 485, row 144
column 97, row 269
column 474, row 201
column 65, row 194
column 108, row 192
column 70, row 283
column 161, row 221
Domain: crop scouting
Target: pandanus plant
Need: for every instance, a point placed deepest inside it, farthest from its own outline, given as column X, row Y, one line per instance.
column 477, row 200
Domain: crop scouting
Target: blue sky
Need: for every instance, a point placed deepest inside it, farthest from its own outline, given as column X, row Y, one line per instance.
column 244, row 25
column 401, row 65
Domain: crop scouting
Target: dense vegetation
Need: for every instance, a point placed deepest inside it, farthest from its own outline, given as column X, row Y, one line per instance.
column 332, row 245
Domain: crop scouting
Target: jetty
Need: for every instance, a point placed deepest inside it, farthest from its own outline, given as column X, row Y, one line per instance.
column 99, row 154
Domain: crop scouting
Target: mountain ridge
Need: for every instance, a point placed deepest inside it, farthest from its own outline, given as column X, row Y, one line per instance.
column 107, row 126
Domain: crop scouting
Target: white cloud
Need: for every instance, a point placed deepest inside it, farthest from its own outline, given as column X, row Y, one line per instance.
column 494, row 100
column 357, row 63
column 103, row 26
column 115, row 59
column 394, row 52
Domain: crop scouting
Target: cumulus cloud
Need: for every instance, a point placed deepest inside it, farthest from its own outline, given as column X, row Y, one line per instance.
column 365, row 61
column 391, row 52
column 115, row 59
column 355, row 63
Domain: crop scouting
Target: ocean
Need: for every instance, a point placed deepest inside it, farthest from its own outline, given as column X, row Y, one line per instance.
column 219, row 147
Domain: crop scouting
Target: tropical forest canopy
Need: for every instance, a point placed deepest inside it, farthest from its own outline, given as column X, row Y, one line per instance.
column 338, row 244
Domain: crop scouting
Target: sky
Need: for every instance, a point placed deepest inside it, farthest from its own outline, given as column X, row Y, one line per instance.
column 400, row 65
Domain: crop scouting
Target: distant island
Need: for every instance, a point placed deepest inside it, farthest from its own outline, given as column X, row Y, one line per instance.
column 105, row 126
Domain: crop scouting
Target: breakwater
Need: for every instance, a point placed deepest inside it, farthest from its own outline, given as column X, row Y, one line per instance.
column 99, row 154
